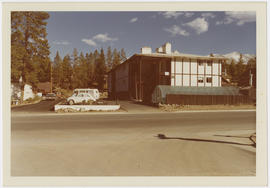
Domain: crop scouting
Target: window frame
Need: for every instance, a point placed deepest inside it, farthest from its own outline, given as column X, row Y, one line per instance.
column 200, row 80
column 207, row 80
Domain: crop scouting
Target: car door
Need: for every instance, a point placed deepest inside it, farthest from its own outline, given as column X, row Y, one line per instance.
column 80, row 97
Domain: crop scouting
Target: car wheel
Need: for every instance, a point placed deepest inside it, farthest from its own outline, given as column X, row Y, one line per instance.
column 71, row 102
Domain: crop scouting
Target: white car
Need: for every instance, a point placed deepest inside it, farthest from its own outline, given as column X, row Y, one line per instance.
column 78, row 98
column 92, row 92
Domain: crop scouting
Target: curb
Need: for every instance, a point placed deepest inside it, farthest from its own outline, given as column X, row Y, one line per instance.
column 117, row 112
column 190, row 111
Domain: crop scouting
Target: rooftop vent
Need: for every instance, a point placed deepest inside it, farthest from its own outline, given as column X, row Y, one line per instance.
column 146, row 50
column 159, row 50
column 165, row 49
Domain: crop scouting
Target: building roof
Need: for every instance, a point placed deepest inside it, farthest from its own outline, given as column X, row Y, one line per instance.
column 181, row 55
column 172, row 55
column 192, row 90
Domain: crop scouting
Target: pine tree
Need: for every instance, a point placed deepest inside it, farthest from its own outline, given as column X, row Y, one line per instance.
column 90, row 69
column 82, row 71
column 232, row 71
column 123, row 56
column 67, row 73
column 96, row 57
column 75, row 67
column 250, row 68
column 116, row 58
column 109, row 58
column 57, row 70
column 18, row 50
column 101, row 70
column 75, row 58
column 240, row 68
column 29, row 48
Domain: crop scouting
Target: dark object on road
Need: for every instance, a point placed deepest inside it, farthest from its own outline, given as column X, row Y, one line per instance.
column 162, row 136
column 50, row 96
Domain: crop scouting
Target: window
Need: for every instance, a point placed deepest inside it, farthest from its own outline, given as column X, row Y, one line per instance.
column 209, row 63
column 200, row 80
column 209, row 80
column 200, row 62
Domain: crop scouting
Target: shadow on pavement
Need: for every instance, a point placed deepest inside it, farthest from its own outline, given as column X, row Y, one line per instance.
column 232, row 136
column 162, row 136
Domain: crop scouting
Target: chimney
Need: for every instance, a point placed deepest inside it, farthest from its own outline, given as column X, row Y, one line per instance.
column 146, row 50
column 167, row 48
column 159, row 50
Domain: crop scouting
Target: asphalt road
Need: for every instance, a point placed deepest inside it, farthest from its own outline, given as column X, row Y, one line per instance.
column 189, row 144
column 41, row 107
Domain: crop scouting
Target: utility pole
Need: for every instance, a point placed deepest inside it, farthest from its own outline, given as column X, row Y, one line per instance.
column 250, row 78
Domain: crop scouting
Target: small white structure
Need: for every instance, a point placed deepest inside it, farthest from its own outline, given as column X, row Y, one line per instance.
column 28, row 92
column 159, row 50
column 167, row 48
column 16, row 91
column 146, row 50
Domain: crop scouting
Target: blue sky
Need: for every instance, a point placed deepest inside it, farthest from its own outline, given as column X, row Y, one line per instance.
column 199, row 33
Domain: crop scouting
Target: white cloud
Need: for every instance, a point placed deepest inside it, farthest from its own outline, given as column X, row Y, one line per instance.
column 99, row 38
column 208, row 15
column 189, row 14
column 176, row 30
column 172, row 14
column 104, row 38
column 200, row 25
column 239, row 18
column 90, row 42
column 133, row 20
column 61, row 42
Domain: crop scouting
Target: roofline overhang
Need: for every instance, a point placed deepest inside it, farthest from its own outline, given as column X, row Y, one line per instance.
column 167, row 56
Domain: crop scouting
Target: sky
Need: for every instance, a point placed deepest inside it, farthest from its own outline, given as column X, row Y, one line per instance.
column 198, row 33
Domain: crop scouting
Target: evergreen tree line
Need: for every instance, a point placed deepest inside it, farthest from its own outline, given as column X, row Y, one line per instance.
column 239, row 73
column 85, row 71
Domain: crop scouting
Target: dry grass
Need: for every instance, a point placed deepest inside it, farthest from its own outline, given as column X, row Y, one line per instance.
column 175, row 107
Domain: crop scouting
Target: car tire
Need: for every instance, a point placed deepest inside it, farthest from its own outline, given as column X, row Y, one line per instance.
column 71, row 102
